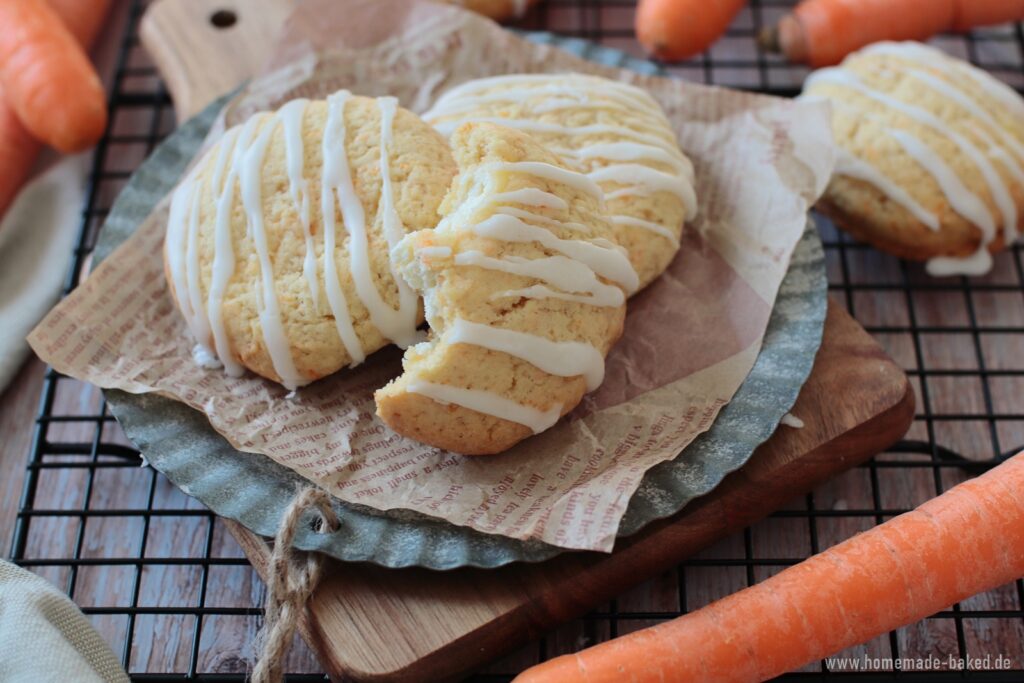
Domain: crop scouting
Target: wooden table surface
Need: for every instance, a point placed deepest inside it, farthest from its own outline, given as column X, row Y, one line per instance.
column 963, row 346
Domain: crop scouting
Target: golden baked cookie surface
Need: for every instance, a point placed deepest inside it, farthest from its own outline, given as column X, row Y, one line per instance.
column 614, row 132
column 932, row 155
column 280, row 263
column 524, row 293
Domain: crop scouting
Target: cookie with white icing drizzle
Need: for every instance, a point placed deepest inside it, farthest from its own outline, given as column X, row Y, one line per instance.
column 278, row 239
column 931, row 165
column 525, row 293
column 613, row 132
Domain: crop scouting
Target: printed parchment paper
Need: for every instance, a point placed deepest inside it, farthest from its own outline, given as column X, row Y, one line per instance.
column 690, row 339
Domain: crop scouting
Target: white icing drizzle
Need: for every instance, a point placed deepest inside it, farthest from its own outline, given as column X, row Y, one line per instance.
column 907, row 49
column 441, row 252
column 656, row 228
column 562, row 103
column 240, row 159
column 562, row 359
column 978, row 263
column 204, row 358
column 573, row 272
column 223, row 266
column 854, row 167
column 961, row 98
column 564, row 273
column 996, row 89
column 605, row 298
column 542, row 220
column 608, row 261
column 539, row 169
column 626, row 93
column 274, row 336
column 635, row 151
column 643, row 180
column 398, row 325
column 177, row 234
column 791, row 420
column 585, row 93
column 1013, row 168
column 291, row 115
column 964, row 100
column 577, row 272
column 195, row 294
column 446, row 128
column 573, row 275
column 847, row 164
column 648, row 116
column 531, row 196
column 336, row 185
column 632, row 164
column 997, row 188
column 224, row 153
column 963, row 201
column 931, row 57
column 488, row 403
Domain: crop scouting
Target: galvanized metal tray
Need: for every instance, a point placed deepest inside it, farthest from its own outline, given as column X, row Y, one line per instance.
column 254, row 490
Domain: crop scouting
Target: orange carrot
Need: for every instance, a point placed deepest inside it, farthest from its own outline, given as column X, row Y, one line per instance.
column 20, row 150
column 971, row 13
column 968, row 540
column 84, row 20
column 679, row 29
column 822, row 32
column 47, row 77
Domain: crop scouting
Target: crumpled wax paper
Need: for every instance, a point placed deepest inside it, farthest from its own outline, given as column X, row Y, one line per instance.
column 690, row 339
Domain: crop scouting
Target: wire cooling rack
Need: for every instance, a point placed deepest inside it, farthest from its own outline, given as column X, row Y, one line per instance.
column 173, row 594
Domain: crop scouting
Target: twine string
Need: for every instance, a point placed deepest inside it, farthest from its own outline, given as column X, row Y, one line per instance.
column 292, row 577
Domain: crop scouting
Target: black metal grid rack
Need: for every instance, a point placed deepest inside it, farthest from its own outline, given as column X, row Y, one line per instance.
column 99, row 526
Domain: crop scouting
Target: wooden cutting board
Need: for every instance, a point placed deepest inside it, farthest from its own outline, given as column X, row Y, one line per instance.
column 373, row 624
column 205, row 48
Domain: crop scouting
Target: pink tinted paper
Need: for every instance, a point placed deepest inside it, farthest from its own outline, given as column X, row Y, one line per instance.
column 690, row 339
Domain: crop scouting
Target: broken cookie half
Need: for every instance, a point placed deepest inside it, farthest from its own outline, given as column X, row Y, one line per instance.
column 524, row 291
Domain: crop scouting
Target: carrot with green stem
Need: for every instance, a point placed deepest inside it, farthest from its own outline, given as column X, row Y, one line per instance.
column 965, row 541
column 47, row 77
column 678, row 29
column 822, row 32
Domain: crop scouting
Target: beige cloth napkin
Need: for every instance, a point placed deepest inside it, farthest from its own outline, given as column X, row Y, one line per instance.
column 44, row 637
column 36, row 237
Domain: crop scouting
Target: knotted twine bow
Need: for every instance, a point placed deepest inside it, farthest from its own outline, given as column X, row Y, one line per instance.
column 292, row 576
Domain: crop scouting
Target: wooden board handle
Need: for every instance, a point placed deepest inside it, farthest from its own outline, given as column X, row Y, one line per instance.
column 204, row 48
